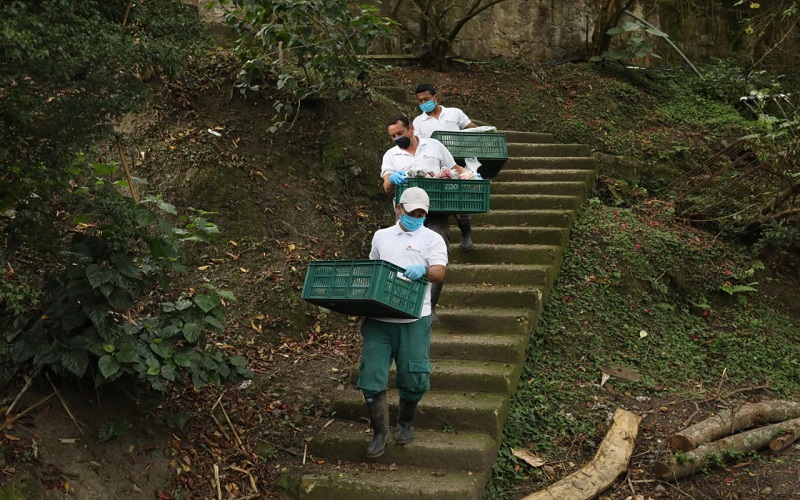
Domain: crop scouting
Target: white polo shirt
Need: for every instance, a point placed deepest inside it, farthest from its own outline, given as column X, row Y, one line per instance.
column 450, row 119
column 402, row 248
column 431, row 156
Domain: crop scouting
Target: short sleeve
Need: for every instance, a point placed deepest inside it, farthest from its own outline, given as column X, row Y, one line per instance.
column 447, row 158
column 388, row 166
column 463, row 120
column 437, row 251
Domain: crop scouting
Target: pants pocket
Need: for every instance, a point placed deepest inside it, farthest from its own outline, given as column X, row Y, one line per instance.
column 419, row 375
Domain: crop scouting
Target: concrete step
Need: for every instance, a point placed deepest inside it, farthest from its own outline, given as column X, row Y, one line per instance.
column 476, row 376
column 533, row 218
column 460, row 411
column 550, row 163
column 365, row 482
column 506, row 254
column 570, row 188
column 487, row 347
column 522, row 235
column 467, row 450
column 465, row 375
column 547, row 175
column 528, row 137
column 527, row 149
column 534, row 201
column 481, row 320
column 541, row 276
column 487, row 295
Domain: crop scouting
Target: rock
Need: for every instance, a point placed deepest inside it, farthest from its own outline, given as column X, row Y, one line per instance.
column 766, row 491
column 660, row 488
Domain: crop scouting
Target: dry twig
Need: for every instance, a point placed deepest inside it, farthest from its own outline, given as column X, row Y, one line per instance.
column 64, row 404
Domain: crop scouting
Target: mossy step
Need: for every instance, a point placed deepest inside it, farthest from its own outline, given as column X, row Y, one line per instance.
column 534, row 218
column 501, row 274
column 526, row 149
column 573, row 188
column 486, row 295
column 505, row 254
column 454, row 318
column 546, row 175
column 460, row 411
column 521, row 235
column 472, row 375
column 465, row 375
column 488, row 347
column 534, row 201
column 550, row 163
column 529, row 137
column 430, row 448
column 387, row 483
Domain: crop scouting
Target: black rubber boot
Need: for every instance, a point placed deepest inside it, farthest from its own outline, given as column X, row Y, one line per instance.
column 436, row 291
column 465, row 226
column 378, row 407
column 405, row 422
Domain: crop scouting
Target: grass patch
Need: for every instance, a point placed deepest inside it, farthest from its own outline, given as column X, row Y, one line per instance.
column 640, row 291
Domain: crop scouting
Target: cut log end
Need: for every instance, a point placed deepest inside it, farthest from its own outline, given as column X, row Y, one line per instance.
column 679, row 442
column 662, row 470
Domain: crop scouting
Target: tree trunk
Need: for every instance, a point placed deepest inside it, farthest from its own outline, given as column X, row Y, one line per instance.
column 610, row 461
column 730, row 421
column 717, row 453
column 607, row 17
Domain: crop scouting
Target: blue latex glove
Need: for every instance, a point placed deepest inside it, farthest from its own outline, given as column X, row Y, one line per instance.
column 478, row 176
column 398, row 177
column 414, row 271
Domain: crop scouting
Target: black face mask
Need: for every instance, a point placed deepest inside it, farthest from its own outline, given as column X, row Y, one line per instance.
column 403, row 142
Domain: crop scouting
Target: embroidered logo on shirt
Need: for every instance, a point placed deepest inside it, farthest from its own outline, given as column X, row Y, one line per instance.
column 409, row 248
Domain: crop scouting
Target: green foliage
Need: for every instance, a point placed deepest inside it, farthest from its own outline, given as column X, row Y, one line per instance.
column 17, row 295
column 68, row 69
column 119, row 253
column 303, row 49
column 684, row 458
column 632, row 270
column 636, row 46
column 111, row 430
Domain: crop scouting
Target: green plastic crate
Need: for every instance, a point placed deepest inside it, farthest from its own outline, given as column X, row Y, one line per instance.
column 373, row 288
column 451, row 195
column 488, row 147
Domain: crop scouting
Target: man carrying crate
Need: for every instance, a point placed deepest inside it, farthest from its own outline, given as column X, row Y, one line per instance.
column 436, row 117
column 414, row 154
column 422, row 253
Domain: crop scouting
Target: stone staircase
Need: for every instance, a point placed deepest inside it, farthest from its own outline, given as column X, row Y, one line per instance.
column 491, row 302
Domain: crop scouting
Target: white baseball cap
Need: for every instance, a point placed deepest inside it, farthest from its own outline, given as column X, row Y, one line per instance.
column 415, row 198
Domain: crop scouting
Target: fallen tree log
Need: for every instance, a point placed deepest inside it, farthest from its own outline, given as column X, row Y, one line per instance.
column 610, row 461
column 791, row 433
column 731, row 421
column 715, row 454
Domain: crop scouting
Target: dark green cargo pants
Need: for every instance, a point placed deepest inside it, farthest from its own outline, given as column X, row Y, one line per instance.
column 408, row 344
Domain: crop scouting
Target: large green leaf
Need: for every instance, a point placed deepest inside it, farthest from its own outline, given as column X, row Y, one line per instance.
column 192, row 332
column 214, row 322
column 108, row 366
column 125, row 265
column 76, row 361
column 121, row 300
column 97, row 275
column 207, row 302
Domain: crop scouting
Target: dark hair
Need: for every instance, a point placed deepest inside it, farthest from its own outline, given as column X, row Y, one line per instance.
column 425, row 87
column 398, row 118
